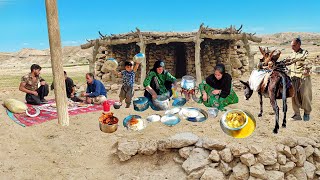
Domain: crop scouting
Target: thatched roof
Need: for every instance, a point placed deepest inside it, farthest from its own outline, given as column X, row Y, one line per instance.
column 166, row 37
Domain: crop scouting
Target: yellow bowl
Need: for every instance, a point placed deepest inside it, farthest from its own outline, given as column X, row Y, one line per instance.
column 224, row 119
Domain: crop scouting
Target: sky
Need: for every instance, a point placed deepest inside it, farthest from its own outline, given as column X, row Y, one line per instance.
column 24, row 25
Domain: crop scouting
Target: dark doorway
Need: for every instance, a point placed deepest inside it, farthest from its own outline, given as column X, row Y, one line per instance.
column 181, row 64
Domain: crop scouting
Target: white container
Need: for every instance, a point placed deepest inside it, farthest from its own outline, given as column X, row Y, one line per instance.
column 188, row 82
column 138, row 58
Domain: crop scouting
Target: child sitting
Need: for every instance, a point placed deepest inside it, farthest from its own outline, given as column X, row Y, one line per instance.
column 128, row 76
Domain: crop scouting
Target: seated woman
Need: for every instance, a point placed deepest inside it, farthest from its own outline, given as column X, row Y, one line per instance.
column 158, row 82
column 216, row 91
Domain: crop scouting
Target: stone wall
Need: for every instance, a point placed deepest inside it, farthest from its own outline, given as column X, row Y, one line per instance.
column 292, row 159
column 231, row 53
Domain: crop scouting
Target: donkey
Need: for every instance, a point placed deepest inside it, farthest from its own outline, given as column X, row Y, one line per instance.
column 274, row 86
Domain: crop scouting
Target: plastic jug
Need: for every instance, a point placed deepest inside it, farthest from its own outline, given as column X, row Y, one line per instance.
column 106, row 106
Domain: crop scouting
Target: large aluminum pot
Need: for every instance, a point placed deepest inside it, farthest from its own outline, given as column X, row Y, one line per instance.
column 140, row 103
column 138, row 58
column 161, row 103
column 188, row 82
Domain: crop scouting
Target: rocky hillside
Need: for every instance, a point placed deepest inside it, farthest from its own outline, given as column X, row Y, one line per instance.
column 286, row 37
column 26, row 57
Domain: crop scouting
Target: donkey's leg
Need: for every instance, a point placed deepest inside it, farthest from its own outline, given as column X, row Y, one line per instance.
column 284, row 100
column 273, row 101
column 261, row 104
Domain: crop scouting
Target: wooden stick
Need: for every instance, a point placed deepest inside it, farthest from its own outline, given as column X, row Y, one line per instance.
column 197, row 54
column 95, row 51
column 56, row 62
column 142, row 50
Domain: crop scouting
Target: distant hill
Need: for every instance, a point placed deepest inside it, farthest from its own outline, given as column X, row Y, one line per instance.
column 286, row 37
column 27, row 56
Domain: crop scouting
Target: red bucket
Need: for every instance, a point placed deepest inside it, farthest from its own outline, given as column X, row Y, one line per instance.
column 106, row 106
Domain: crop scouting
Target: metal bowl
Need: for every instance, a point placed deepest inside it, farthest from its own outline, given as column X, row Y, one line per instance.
column 224, row 121
column 140, row 104
column 202, row 115
column 154, row 118
column 108, row 128
column 170, row 120
column 179, row 102
column 128, row 118
column 138, row 58
column 117, row 105
column 161, row 103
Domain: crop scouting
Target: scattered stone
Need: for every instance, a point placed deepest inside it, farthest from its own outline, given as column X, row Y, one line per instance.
column 309, row 150
column 226, row 155
column 310, row 169
column 198, row 159
column 182, row 140
column 300, row 155
column 213, row 144
column 148, row 147
column 126, row 149
column 225, row 168
column 280, row 148
column 287, row 151
column 255, row 149
column 287, row 167
column 275, row 167
column 185, row 152
column 199, row 143
column 212, row 174
column 316, row 153
column 290, row 141
column 258, row 171
column 310, row 159
column 162, row 145
column 282, row 159
column 240, row 171
column 178, row 159
column 267, row 157
column 214, row 156
column 214, row 165
column 290, row 177
column 237, row 151
column 197, row 174
column 304, row 141
column 275, row 175
column 299, row 173
column 248, row 159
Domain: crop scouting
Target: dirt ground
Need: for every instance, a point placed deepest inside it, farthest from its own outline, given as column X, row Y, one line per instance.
column 82, row 151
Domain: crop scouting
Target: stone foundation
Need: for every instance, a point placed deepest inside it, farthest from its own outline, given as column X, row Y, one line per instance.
column 292, row 159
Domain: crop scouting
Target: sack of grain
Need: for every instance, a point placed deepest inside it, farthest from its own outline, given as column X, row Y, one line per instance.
column 15, row 106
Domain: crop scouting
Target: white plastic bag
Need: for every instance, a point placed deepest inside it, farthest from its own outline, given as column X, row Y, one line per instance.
column 256, row 78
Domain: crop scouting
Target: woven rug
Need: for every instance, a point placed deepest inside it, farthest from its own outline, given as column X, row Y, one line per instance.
column 48, row 113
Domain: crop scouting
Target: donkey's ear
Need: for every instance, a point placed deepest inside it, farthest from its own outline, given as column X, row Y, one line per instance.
column 262, row 51
column 244, row 83
column 271, row 54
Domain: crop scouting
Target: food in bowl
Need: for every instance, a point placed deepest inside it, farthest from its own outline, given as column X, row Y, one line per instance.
column 108, row 118
column 135, row 124
column 235, row 119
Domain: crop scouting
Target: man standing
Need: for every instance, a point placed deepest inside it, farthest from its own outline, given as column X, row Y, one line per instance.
column 96, row 92
column 35, row 87
column 301, row 80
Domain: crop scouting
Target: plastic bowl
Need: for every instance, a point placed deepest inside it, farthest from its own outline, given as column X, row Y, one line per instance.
column 224, row 122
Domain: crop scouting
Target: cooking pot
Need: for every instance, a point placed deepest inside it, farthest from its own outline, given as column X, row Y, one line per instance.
column 188, row 82
column 140, row 103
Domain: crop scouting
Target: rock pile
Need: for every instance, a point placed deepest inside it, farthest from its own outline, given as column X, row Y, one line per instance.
column 203, row 158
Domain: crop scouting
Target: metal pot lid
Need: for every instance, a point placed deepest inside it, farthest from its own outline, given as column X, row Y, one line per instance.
column 154, row 118
column 173, row 111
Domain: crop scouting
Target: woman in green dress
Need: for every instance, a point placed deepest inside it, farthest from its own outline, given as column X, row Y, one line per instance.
column 216, row 90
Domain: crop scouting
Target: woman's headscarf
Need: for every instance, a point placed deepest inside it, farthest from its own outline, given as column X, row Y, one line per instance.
column 157, row 64
column 213, row 81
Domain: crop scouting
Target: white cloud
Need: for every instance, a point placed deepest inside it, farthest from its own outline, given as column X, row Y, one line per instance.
column 41, row 44
column 257, row 29
column 70, row 43
column 25, row 44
